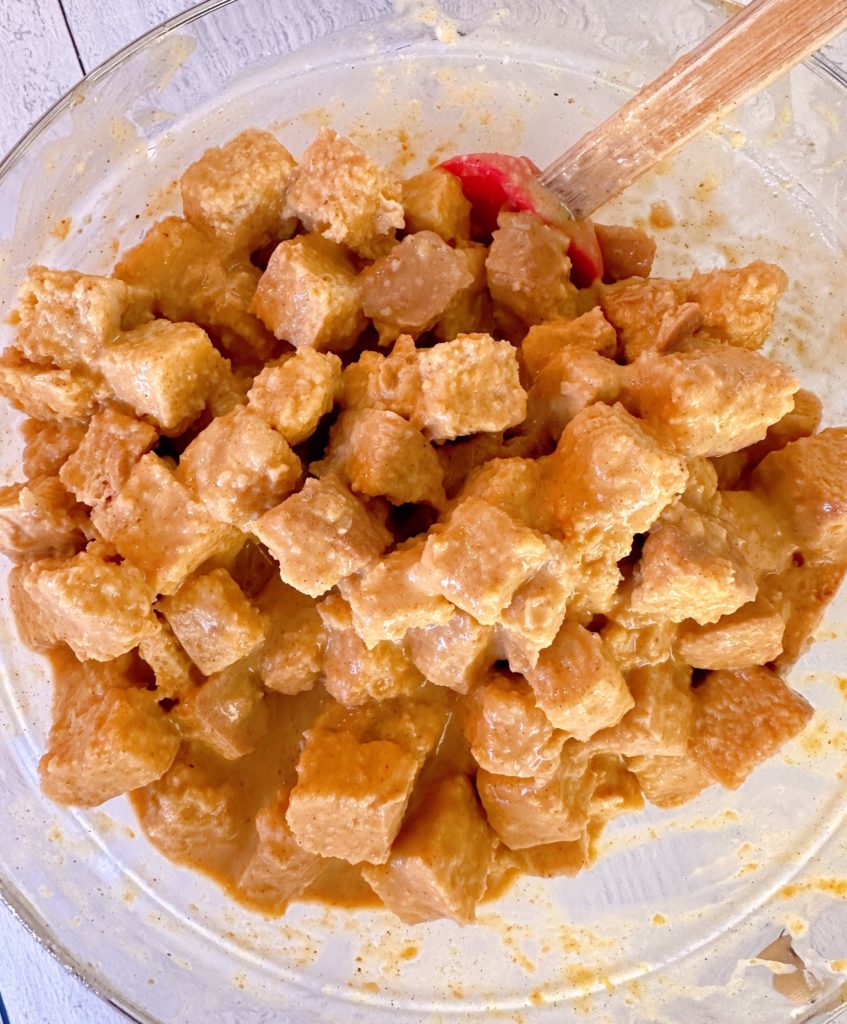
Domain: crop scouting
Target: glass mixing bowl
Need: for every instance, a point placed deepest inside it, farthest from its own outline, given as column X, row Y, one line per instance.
column 668, row 925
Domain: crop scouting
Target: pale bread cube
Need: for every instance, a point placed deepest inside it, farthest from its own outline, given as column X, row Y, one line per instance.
column 470, row 312
column 742, row 719
column 469, row 385
column 321, row 535
column 529, row 269
column 239, row 467
column 669, row 781
column 627, row 252
column 590, row 332
column 227, row 713
column 173, row 670
column 636, row 309
column 616, row 789
column 293, row 396
column 39, row 519
column 48, row 444
column 339, row 192
column 577, row 684
column 801, row 594
column 454, row 655
column 291, row 658
column 156, row 524
column 752, row 635
column 103, row 460
column 213, row 621
column 355, row 674
column 738, row 304
column 570, row 381
column 49, row 392
column 512, row 485
column 390, row 382
column 350, row 796
column 236, row 192
column 33, row 626
column 439, row 864
column 434, row 201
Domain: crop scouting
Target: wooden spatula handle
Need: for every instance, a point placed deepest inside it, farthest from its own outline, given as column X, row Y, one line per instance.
column 752, row 49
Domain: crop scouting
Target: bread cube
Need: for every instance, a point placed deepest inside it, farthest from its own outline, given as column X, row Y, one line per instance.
column 165, row 372
column 801, row 594
column 350, row 796
column 157, row 526
column 742, row 719
column 571, row 380
column 470, row 311
column 235, row 193
column 228, row 713
column 102, row 462
column 278, row 870
column 627, row 252
column 750, row 636
column 738, row 395
column 390, row 382
column 459, row 459
column 48, row 392
column 636, row 308
column 379, row 453
column 39, row 519
column 453, row 655
column 608, row 480
column 508, row 734
column 239, row 467
column 339, row 192
column 412, row 286
column 434, row 201
column 293, row 395
column 48, row 444
column 173, row 670
column 616, row 789
column 529, row 269
column 213, row 621
column 702, row 486
column 99, row 609
column 577, row 684
column 33, row 626
column 590, row 332
column 757, row 529
column 511, row 485
column 469, row 385
column 479, row 559
column 291, row 657
column 66, row 318
column 557, row 860
column 439, row 864
column 738, row 304
column 690, row 570
column 669, row 781
column 634, row 641
column 355, row 674
column 532, row 812
column 660, row 722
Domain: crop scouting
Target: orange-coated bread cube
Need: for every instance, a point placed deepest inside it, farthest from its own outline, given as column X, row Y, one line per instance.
column 742, row 719
column 570, row 381
column 529, row 269
column 291, row 657
column 577, row 684
column 321, row 535
column 757, row 529
column 350, row 796
column 49, row 392
column 49, row 444
column 390, row 382
column 355, row 674
column 309, row 295
column 173, row 670
column 750, row 636
column 39, row 519
column 470, row 311
column 434, row 201
column 157, row 526
column 627, row 251
column 669, row 781
column 338, row 191
column 213, row 621
column 590, row 332
column 533, row 618
column 103, row 460
column 239, row 467
column 637, row 641
column 33, row 626
column 235, row 193
column 738, row 304
column 801, row 595
column 439, row 864
column 636, row 308
column 557, row 860
column 227, row 713
column 293, row 395
column 453, row 655
column 616, row 789
column 512, row 485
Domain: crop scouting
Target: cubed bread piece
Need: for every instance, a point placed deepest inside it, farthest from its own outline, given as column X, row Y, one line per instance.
column 278, row 869
column 33, row 626
column 636, row 308
column 321, row 535
column 409, row 288
column 39, row 519
column 291, row 657
column 236, row 192
column 742, row 719
column 807, row 482
column 390, row 382
column 702, row 485
column 99, row 609
column 173, row 670
column 660, row 723
column 157, row 526
column 529, row 269
column 309, row 295
column 531, row 812
column 738, row 395
column 470, row 311
column 194, row 279
column 379, row 453
column 634, row 641
column 801, row 594
column 570, row 381
column 689, row 569
column 738, row 304
column 558, row 860
column 512, row 485
column 339, row 192
column 469, row 385
column 354, row 674
column 386, row 603
column 756, row 528
column 460, row 458
column 508, row 734
column 608, row 480
column 227, row 713
column 434, row 201
column 455, row 654
column 577, row 684
column 293, row 396
column 239, row 467
column 213, row 621
column 350, row 796
column 627, row 252
column 66, row 318
column 102, row 462
column 479, row 559
column 48, row 444
column 669, row 781
column 616, row 790
column 102, row 747
column 440, row 861
column 48, row 392
column 165, row 372
column 590, row 332
column 750, row 636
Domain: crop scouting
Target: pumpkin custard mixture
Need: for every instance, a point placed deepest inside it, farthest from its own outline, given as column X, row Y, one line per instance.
column 382, row 553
